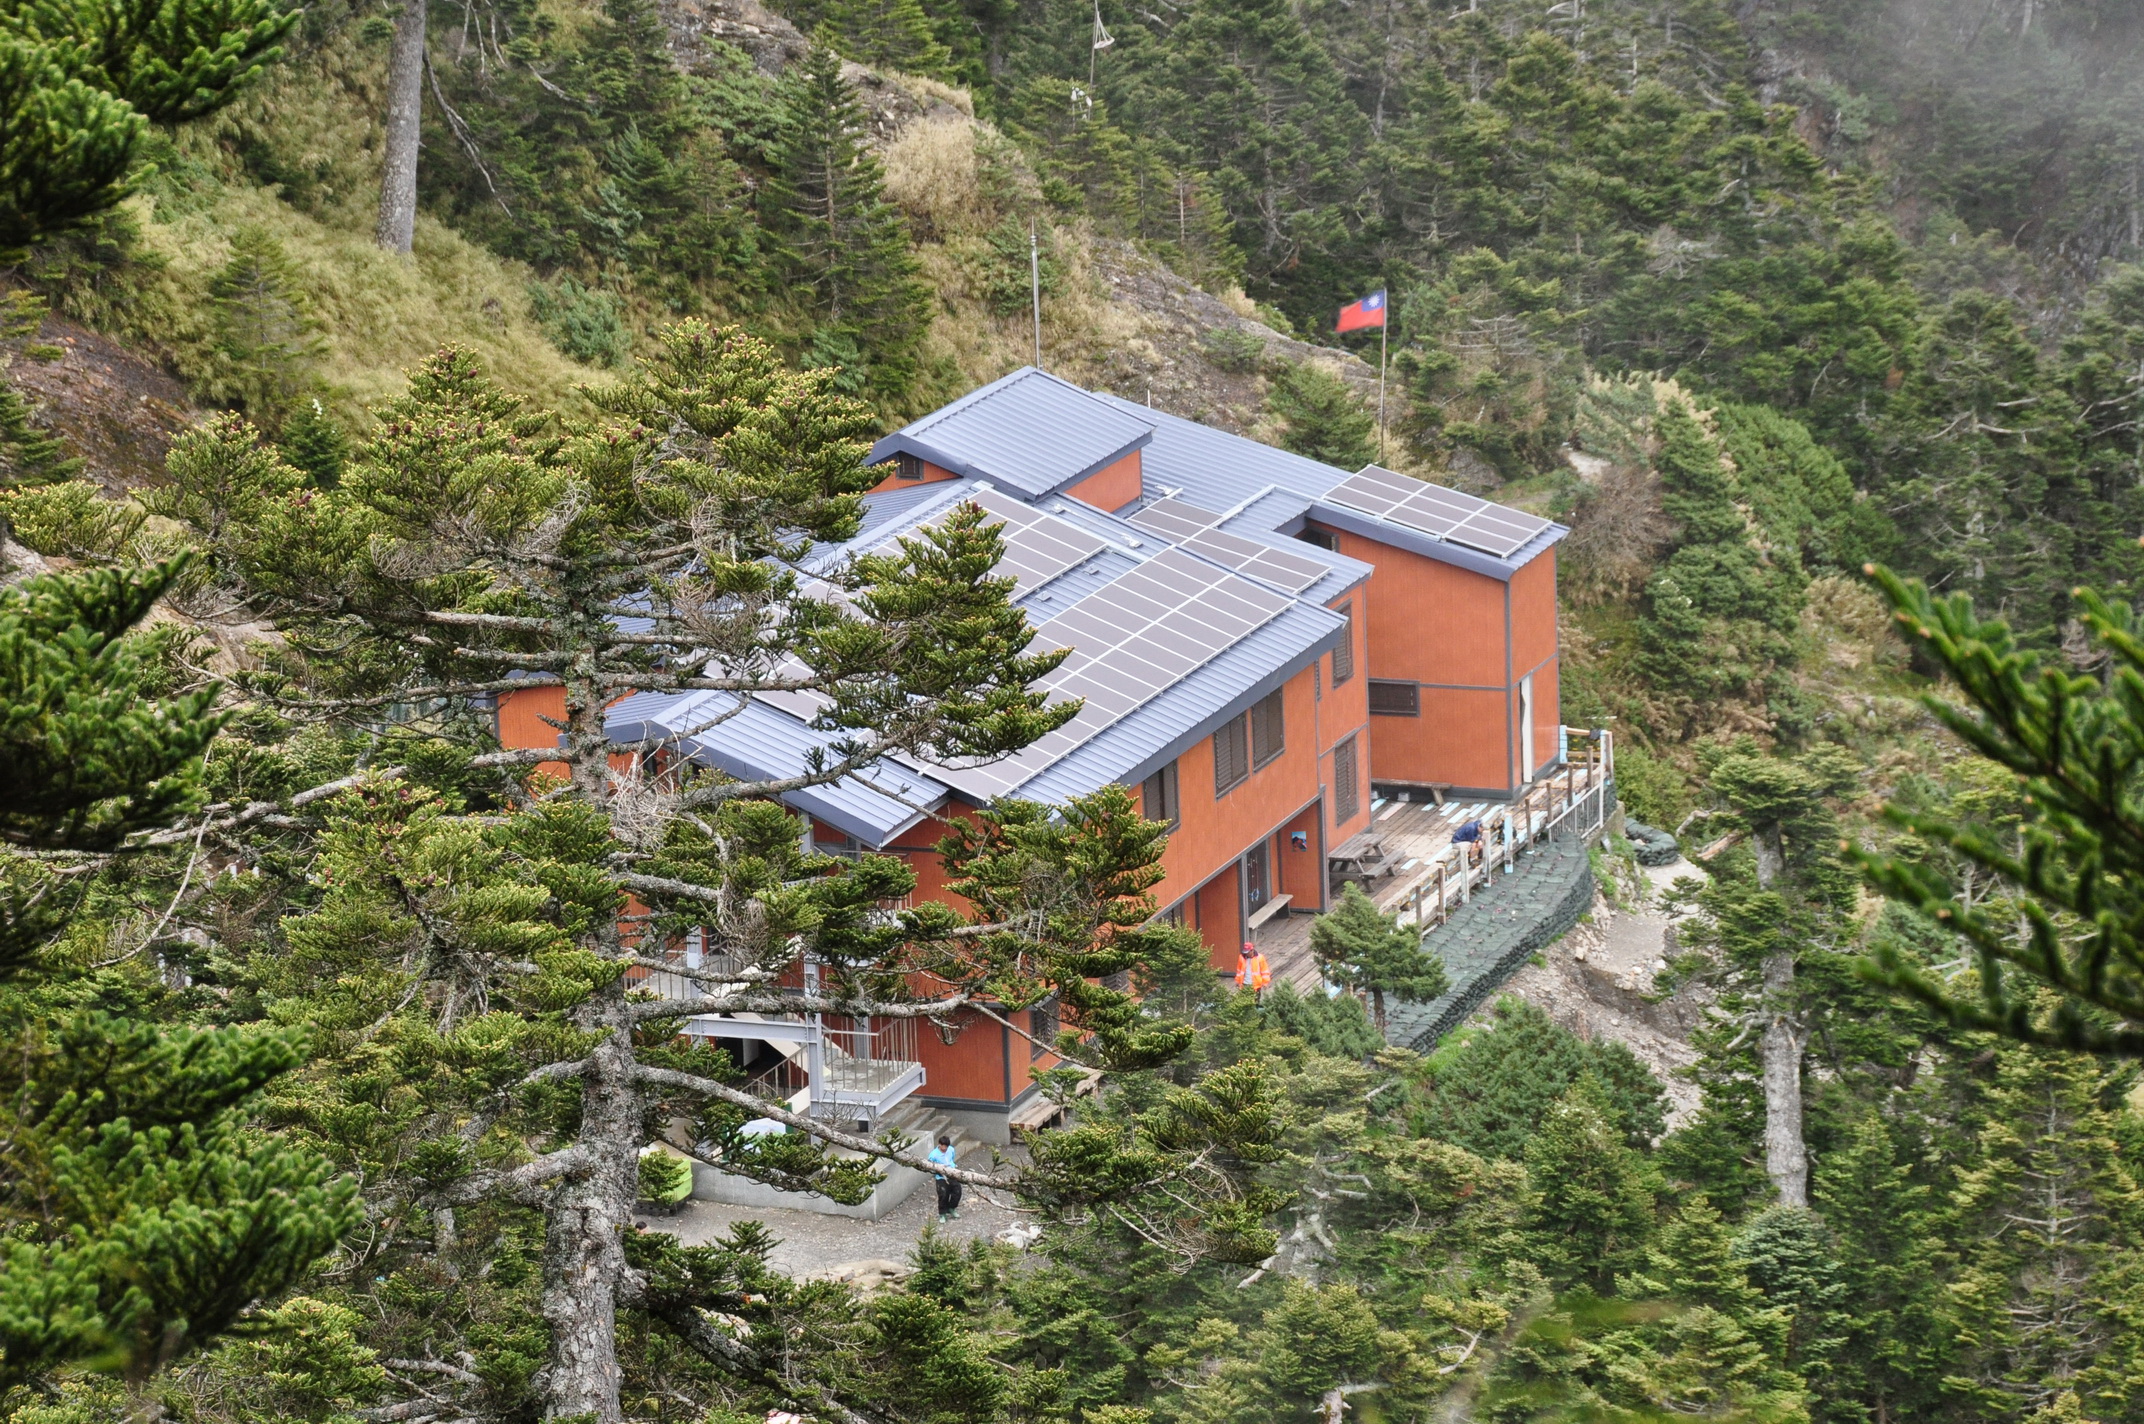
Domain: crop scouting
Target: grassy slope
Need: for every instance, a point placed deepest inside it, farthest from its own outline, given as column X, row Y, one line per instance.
column 312, row 124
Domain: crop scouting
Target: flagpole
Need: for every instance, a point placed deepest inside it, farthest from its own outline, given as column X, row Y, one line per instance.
column 1034, row 278
column 1382, row 327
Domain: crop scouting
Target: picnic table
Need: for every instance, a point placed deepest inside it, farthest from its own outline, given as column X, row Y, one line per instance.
column 1361, row 858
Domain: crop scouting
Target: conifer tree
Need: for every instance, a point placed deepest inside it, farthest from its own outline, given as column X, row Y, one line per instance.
column 81, row 79
column 1719, row 614
column 1321, row 417
column 1763, row 911
column 888, row 34
column 1895, row 1345
column 141, row 1213
column 2072, row 917
column 844, row 244
column 1360, row 948
column 314, row 444
column 265, row 334
column 474, row 545
column 1589, row 1209
column 1490, row 1093
column 2046, row 1220
column 28, row 455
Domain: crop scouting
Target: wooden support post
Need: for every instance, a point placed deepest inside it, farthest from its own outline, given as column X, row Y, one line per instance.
column 1440, row 892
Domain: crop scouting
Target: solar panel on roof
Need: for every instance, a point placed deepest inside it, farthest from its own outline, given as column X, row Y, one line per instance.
column 1174, row 518
column 1290, row 571
column 1038, row 546
column 1132, row 639
column 1438, row 512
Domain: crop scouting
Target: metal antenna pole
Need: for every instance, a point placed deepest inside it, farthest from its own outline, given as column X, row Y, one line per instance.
column 1383, row 327
column 1034, row 283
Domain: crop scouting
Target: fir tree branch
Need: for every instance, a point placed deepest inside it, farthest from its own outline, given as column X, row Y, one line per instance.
column 708, row 1088
column 657, row 1009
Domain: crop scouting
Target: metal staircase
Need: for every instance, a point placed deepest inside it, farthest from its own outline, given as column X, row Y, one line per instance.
column 855, row 1072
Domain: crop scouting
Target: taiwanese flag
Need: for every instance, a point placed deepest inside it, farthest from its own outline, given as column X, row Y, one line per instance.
column 1358, row 316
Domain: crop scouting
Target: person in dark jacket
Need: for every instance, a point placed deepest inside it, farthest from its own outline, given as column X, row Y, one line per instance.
column 949, row 1188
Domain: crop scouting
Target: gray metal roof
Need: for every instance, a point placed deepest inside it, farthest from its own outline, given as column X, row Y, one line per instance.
column 1218, row 470
column 756, row 742
column 1270, row 517
column 1028, row 431
column 1170, row 635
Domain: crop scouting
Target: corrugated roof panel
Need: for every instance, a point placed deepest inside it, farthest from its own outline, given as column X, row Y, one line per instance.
column 1029, row 431
column 884, row 507
column 1217, row 470
column 759, row 742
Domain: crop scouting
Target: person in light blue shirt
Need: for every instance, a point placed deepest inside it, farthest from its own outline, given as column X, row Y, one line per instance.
column 949, row 1188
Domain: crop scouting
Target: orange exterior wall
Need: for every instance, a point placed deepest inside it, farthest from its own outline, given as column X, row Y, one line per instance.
column 932, row 474
column 1112, row 487
column 1216, row 912
column 522, row 724
column 1533, row 650
column 1443, row 627
column 521, row 716
column 1345, row 712
column 972, row 1067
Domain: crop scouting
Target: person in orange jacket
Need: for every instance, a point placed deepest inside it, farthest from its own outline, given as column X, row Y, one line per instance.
column 1253, row 973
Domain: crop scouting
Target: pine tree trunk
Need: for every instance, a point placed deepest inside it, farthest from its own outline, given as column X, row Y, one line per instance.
column 585, row 1276
column 1786, row 1154
column 1378, row 995
column 405, row 97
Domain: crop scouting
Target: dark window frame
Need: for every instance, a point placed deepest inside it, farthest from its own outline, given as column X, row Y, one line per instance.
column 1269, row 729
column 1347, row 783
column 1163, row 787
column 1411, row 704
column 1344, row 654
column 907, row 466
column 1043, row 1023
column 1231, row 754
column 1323, row 538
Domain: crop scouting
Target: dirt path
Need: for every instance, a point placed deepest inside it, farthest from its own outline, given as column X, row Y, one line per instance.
column 1597, row 981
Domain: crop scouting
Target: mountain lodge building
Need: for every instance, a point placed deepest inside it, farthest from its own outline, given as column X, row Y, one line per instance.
column 1265, row 645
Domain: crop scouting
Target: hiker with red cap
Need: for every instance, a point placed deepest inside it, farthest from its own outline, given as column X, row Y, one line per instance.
column 1253, row 973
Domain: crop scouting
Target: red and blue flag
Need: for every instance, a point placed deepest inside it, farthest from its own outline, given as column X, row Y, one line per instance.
column 1359, row 316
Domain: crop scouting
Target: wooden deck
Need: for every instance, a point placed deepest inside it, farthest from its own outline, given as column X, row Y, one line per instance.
column 1427, row 879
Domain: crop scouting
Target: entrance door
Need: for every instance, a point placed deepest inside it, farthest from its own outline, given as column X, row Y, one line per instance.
column 1258, row 875
column 1526, row 726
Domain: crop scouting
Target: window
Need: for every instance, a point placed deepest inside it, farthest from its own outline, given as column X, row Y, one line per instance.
column 1231, row 754
column 908, row 467
column 1323, row 538
column 1042, row 1021
column 1157, row 796
column 1269, row 734
column 1347, row 792
column 1395, row 699
column 1344, row 655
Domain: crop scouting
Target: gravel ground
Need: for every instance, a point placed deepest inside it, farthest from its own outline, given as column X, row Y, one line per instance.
column 1595, row 981
column 814, row 1244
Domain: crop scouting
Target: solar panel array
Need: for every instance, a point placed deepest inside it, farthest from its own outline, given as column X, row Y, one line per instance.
column 1174, row 519
column 1191, row 526
column 1131, row 639
column 1438, row 512
column 1038, row 546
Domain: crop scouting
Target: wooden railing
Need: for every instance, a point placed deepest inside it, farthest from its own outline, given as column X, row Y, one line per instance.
column 1573, row 798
